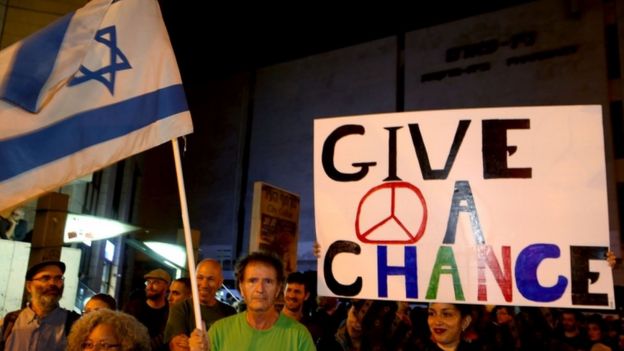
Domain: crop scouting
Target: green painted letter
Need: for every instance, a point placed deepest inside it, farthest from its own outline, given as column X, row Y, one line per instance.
column 445, row 264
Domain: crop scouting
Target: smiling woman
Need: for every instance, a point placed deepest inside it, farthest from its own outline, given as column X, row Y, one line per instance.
column 446, row 323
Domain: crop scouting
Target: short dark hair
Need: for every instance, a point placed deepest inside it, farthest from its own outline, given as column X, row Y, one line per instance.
column 500, row 307
column 464, row 309
column 184, row 280
column 107, row 299
column 597, row 320
column 578, row 316
column 298, row 278
column 266, row 258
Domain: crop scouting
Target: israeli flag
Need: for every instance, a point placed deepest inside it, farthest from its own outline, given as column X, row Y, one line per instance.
column 97, row 86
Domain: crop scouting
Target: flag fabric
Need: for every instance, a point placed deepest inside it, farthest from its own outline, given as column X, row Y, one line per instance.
column 97, row 86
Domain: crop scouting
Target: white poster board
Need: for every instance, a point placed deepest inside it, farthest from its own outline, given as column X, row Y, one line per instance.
column 486, row 206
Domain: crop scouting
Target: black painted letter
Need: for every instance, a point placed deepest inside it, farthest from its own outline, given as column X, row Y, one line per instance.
column 495, row 148
column 336, row 248
column 581, row 275
column 392, row 154
column 423, row 157
column 329, row 147
column 463, row 193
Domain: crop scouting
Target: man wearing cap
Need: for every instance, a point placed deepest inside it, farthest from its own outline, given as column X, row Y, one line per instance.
column 42, row 324
column 154, row 310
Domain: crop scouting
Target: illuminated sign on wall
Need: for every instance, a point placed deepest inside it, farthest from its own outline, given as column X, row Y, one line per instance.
column 84, row 228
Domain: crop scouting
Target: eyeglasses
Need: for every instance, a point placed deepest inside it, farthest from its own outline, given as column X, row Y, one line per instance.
column 101, row 345
column 154, row 282
column 47, row 278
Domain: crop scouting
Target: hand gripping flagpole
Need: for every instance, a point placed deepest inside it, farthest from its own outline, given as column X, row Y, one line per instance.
column 187, row 233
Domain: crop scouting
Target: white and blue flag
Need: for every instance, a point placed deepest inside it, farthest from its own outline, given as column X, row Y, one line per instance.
column 95, row 87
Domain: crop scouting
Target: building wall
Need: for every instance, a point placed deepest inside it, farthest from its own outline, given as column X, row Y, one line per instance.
column 24, row 17
column 541, row 53
column 288, row 97
column 215, row 161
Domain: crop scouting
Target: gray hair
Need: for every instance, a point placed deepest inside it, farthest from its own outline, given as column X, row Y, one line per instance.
column 132, row 335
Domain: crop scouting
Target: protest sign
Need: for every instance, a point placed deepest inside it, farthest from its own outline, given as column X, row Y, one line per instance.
column 488, row 206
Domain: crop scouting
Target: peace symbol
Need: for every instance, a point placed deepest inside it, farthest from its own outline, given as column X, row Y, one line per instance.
column 405, row 205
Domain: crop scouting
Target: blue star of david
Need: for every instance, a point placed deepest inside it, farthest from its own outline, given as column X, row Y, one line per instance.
column 118, row 62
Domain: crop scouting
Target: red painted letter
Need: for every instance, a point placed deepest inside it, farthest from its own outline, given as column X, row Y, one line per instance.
column 503, row 277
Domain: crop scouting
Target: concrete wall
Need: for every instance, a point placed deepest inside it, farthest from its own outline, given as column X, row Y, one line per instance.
column 287, row 99
column 536, row 54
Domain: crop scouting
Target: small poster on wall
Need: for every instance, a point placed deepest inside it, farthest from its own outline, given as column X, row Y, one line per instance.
column 275, row 223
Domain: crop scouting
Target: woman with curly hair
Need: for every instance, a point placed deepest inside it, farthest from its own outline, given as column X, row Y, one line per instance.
column 108, row 330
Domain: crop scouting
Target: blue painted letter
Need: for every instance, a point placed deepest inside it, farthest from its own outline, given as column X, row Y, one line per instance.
column 527, row 264
column 409, row 271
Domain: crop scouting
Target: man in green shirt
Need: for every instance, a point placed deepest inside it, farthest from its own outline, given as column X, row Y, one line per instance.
column 261, row 327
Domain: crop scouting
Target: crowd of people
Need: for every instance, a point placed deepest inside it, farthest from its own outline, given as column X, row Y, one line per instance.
column 163, row 319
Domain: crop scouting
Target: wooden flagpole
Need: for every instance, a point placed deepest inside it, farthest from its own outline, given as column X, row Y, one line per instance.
column 187, row 233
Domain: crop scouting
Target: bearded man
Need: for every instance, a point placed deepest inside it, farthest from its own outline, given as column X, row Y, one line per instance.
column 42, row 324
column 153, row 311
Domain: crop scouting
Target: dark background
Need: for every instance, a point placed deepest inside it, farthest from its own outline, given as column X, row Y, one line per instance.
column 214, row 41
